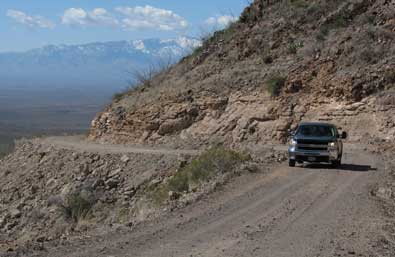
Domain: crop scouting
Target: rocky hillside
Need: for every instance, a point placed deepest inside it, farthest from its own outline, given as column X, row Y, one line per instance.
column 51, row 194
column 282, row 62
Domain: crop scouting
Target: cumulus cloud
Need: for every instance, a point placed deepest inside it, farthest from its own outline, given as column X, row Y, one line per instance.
column 149, row 17
column 220, row 21
column 30, row 21
column 98, row 16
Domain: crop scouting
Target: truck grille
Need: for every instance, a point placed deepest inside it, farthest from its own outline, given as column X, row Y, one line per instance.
column 313, row 148
column 311, row 145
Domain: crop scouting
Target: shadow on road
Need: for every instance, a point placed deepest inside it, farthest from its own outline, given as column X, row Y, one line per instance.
column 345, row 167
column 355, row 167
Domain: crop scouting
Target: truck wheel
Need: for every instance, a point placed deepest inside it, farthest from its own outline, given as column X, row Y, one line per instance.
column 291, row 163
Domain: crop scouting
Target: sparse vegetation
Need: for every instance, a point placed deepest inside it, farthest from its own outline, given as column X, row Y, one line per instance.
column 299, row 3
column 143, row 77
column 389, row 76
column 294, row 46
column 371, row 55
column 275, row 83
column 323, row 33
column 198, row 51
column 368, row 18
column 213, row 36
column 77, row 207
column 337, row 22
column 216, row 160
column 119, row 95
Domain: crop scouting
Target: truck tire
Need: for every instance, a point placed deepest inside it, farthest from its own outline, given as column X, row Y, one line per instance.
column 336, row 164
column 291, row 163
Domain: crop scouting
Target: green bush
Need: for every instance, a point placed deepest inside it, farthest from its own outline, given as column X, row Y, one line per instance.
column 215, row 161
column 159, row 194
column 294, row 46
column 275, row 83
column 77, row 207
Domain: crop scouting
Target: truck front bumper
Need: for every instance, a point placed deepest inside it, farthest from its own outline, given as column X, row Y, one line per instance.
column 312, row 155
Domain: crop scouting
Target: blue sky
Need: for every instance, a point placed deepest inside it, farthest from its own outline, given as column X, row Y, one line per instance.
column 26, row 24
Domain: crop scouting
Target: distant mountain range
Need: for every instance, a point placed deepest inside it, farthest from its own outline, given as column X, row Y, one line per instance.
column 60, row 88
column 95, row 64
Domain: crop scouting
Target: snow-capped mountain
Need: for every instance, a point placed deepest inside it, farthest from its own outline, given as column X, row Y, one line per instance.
column 95, row 64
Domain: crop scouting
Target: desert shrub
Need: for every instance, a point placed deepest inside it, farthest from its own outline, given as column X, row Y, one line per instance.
column 389, row 76
column 211, row 163
column 159, row 194
column 197, row 52
column 299, row 3
column 371, row 32
column 275, row 83
column 371, row 55
column 212, row 37
column 144, row 76
column 119, row 96
column 337, row 22
column 179, row 182
column 367, row 18
column 322, row 33
column 314, row 8
column 77, row 207
column 294, row 46
column 216, row 160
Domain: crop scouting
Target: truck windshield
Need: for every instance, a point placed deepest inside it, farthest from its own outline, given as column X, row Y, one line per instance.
column 316, row 131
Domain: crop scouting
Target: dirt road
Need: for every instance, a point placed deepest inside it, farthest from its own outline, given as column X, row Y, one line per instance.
column 310, row 211
column 78, row 143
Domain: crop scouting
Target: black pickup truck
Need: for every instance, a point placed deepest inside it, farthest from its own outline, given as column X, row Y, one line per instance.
column 316, row 142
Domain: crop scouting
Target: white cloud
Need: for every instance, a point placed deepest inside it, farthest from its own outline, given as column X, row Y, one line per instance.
column 30, row 21
column 220, row 21
column 98, row 16
column 149, row 17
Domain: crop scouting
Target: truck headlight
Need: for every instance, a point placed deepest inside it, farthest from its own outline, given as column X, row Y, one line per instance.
column 293, row 142
column 332, row 146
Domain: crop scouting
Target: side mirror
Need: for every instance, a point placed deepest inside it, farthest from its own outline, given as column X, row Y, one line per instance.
column 291, row 132
column 344, row 135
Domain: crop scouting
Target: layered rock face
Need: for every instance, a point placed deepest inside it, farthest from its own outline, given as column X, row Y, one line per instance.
column 328, row 60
